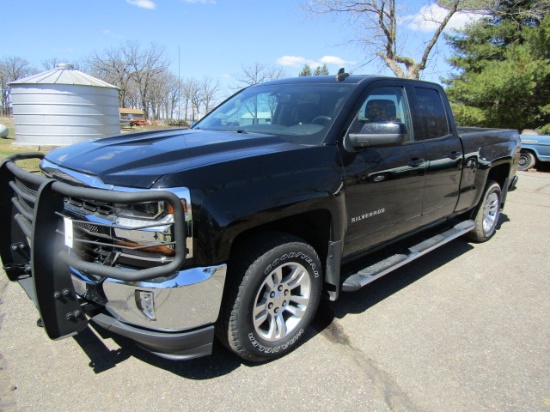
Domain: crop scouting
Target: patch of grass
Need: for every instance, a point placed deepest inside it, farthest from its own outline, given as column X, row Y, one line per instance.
column 9, row 146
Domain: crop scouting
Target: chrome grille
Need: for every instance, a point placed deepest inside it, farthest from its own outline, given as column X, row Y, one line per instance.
column 99, row 244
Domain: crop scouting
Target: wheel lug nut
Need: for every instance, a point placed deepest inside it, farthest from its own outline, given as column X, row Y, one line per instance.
column 270, row 306
column 280, row 288
column 286, row 292
column 272, row 295
column 276, row 310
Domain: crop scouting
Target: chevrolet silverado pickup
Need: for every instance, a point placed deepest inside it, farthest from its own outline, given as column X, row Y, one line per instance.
column 288, row 192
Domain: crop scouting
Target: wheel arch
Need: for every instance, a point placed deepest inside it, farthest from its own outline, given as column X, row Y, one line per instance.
column 314, row 227
column 530, row 150
column 499, row 174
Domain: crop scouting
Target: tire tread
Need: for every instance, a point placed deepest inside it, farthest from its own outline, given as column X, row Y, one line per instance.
column 240, row 270
column 478, row 235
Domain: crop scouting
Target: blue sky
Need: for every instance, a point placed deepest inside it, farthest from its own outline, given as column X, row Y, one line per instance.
column 213, row 38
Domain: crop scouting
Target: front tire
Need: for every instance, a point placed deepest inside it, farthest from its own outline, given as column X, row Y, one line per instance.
column 527, row 161
column 274, row 291
column 487, row 213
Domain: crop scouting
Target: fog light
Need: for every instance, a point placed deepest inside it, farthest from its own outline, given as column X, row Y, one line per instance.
column 145, row 301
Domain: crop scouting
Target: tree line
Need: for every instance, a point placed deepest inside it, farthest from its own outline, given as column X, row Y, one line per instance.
column 500, row 73
column 142, row 75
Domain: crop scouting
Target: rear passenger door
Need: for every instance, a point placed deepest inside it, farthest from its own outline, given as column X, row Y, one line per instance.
column 442, row 152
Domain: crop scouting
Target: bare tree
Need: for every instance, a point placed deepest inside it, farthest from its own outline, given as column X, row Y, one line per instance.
column 136, row 71
column 379, row 19
column 193, row 97
column 209, row 90
column 172, row 97
column 11, row 69
column 113, row 66
column 258, row 73
column 158, row 90
column 148, row 65
column 52, row 63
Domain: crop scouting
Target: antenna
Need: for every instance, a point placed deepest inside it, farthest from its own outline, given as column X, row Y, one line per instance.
column 342, row 75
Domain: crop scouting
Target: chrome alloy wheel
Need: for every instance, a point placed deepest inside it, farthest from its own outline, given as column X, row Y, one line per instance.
column 282, row 301
column 491, row 211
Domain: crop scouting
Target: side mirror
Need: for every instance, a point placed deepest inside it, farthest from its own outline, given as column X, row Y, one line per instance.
column 379, row 134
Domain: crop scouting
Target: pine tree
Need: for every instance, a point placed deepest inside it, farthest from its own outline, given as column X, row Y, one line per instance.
column 321, row 70
column 306, row 71
column 502, row 71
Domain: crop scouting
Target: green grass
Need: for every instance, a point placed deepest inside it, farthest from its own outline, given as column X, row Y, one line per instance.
column 8, row 147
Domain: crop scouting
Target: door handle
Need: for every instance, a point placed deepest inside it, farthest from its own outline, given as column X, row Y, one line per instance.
column 454, row 155
column 416, row 162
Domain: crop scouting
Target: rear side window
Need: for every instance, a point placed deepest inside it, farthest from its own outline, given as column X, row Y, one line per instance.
column 431, row 113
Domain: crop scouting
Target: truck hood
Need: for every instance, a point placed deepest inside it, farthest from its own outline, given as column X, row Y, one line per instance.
column 140, row 159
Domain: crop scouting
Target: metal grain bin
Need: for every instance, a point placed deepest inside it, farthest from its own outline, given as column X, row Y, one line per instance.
column 63, row 106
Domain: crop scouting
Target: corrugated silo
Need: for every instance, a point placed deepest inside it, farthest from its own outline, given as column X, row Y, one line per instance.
column 63, row 106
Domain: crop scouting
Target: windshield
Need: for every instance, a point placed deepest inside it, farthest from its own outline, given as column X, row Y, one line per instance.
column 301, row 113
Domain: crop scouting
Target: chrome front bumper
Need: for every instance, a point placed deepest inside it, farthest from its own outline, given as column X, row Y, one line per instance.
column 189, row 299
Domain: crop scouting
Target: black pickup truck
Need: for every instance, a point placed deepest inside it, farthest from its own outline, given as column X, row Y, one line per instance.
column 288, row 192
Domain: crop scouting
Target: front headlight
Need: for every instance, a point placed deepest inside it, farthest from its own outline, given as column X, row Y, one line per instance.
column 146, row 210
column 145, row 227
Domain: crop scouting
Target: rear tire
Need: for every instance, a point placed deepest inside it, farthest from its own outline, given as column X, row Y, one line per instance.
column 487, row 213
column 274, row 290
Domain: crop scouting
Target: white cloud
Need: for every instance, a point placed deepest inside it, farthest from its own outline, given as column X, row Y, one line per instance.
column 144, row 4
column 429, row 18
column 298, row 61
column 294, row 61
column 332, row 60
column 336, row 60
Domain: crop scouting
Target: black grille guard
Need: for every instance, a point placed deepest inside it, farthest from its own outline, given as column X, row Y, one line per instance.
column 32, row 242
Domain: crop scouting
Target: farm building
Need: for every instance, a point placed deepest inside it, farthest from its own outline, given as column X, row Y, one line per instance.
column 63, row 106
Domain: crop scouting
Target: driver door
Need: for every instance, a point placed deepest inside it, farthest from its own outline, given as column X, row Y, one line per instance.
column 383, row 185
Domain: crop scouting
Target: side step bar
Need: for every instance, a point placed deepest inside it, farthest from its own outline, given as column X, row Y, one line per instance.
column 379, row 269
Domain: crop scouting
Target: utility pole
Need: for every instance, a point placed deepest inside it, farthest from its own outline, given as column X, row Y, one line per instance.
column 179, row 83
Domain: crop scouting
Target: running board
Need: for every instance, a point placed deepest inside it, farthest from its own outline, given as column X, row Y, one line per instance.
column 383, row 267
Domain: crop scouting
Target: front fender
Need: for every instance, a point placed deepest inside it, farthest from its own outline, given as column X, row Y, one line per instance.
column 277, row 188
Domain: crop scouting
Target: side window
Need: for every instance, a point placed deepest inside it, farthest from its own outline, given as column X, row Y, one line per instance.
column 431, row 113
column 385, row 104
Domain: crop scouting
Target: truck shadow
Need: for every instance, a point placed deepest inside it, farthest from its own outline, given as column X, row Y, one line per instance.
column 91, row 340
column 374, row 293
column 223, row 362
